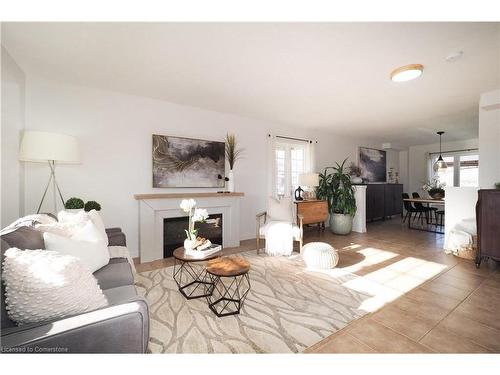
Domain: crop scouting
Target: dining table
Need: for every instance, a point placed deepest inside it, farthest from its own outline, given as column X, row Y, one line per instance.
column 431, row 226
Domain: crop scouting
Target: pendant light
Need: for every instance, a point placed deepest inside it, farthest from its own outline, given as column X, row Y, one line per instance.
column 440, row 165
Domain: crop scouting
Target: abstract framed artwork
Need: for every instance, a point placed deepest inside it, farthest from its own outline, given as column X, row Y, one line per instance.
column 373, row 164
column 187, row 162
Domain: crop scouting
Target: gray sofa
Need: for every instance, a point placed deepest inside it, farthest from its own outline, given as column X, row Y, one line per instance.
column 121, row 327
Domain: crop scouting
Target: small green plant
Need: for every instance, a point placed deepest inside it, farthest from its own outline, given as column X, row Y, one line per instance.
column 497, row 185
column 92, row 205
column 73, row 204
column 354, row 170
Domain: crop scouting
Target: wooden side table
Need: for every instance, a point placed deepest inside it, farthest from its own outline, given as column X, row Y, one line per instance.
column 229, row 285
column 191, row 281
column 313, row 211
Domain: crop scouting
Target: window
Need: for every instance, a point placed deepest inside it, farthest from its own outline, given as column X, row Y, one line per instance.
column 463, row 168
column 280, row 171
column 448, row 176
column 291, row 159
column 469, row 170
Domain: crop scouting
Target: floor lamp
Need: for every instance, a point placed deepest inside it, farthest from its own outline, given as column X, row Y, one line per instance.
column 51, row 148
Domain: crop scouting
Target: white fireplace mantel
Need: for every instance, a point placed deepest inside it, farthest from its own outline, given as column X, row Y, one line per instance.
column 153, row 208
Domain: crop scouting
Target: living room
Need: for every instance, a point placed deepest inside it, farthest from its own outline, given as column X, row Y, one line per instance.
column 250, row 187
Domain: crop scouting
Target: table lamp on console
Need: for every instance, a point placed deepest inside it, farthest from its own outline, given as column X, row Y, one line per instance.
column 310, row 180
column 51, row 148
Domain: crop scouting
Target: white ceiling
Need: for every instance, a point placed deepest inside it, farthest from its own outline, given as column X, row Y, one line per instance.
column 332, row 76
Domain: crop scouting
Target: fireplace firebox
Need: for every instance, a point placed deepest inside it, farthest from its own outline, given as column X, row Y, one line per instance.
column 174, row 234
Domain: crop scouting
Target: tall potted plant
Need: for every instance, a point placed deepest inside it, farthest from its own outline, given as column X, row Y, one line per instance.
column 233, row 153
column 336, row 188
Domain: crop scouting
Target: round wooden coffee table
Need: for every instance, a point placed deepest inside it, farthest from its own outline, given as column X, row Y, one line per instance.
column 230, row 285
column 192, row 280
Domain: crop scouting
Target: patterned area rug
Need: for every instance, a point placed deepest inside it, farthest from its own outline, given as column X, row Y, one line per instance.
column 288, row 309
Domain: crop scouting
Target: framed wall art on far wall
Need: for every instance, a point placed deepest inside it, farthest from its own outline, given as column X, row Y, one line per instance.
column 373, row 164
column 187, row 162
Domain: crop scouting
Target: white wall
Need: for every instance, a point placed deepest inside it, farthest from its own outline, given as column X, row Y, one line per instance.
column 417, row 160
column 114, row 131
column 13, row 85
column 403, row 169
column 392, row 160
column 489, row 139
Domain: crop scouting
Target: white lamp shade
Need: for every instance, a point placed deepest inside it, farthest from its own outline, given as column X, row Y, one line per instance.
column 39, row 146
column 309, row 179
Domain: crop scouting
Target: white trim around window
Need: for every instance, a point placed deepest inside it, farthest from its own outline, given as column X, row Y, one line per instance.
column 463, row 167
column 288, row 158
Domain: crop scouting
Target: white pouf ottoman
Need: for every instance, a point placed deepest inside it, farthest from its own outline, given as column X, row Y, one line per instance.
column 320, row 255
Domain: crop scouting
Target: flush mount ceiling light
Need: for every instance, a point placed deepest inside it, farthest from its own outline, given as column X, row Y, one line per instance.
column 440, row 165
column 407, row 73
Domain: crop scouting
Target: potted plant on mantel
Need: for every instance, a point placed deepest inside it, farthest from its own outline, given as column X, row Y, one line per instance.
column 336, row 188
column 355, row 173
column 233, row 153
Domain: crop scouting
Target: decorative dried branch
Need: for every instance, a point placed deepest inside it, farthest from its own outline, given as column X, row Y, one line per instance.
column 233, row 153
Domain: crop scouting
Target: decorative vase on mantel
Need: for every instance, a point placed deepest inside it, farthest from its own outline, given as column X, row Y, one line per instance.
column 230, row 183
column 233, row 153
column 356, row 180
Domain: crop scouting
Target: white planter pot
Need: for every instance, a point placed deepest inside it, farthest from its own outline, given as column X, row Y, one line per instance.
column 340, row 224
column 73, row 210
column 189, row 244
column 356, row 180
column 230, row 183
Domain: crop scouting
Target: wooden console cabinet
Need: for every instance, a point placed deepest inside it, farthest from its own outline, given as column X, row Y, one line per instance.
column 383, row 200
column 488, row 224
column 313, row 212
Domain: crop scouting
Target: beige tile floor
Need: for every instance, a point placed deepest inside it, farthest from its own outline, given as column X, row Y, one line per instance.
column 431, row 302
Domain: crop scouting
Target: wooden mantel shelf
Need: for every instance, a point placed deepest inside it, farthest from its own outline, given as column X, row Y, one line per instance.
column 185, row 195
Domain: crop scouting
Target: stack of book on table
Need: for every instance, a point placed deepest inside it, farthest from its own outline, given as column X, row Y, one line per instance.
column 205, row 250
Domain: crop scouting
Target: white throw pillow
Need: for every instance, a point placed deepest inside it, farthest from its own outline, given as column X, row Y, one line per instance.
column 97, row 220
column 79, row 230
column 62, row 229
column 88, row 232
column 280, row 210
column 94, row 255
column 79, row 219
column 43, row 285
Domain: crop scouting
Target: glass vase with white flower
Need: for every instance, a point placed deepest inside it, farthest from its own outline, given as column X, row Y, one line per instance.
column 195, row 215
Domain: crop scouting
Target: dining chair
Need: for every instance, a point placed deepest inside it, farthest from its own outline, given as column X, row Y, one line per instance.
column 410, row 209
column 440, row 214
column 425, row 209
